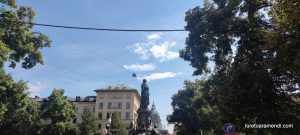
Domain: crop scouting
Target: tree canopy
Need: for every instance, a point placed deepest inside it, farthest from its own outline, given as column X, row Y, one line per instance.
column 193, row 112
column 59, row 112
column 18, row 43
column 18, row 114
column 117, row 123
column 254, row 48
column 89, row 124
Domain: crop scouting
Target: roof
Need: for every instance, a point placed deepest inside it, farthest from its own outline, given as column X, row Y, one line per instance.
column 118, row 88
column 36, row 98
column 153, row 111
column 83, row 99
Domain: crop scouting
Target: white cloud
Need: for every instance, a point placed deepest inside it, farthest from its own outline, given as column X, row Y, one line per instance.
column 154, row 36
column 160, row 51
column 137, row 67
column 35, row 89
column 141, row 49
column 156, row 76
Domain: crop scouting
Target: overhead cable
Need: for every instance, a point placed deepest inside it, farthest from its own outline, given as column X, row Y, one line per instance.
column 105, row 29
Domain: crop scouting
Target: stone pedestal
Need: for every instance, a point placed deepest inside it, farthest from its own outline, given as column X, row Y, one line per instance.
column 143, row 115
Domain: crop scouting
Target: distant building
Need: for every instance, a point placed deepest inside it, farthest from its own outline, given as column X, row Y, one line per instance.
column 118, row 98
column 82, row 104
column 155, row 119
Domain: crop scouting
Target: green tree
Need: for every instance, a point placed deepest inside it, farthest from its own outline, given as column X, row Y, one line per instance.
column 284, row 39
column 32, row 120
column 89, row 125
column 117, row 123
column 18, row 44
column 59, row 112
column 252, row 84
column 19, row 115
column 192, row 110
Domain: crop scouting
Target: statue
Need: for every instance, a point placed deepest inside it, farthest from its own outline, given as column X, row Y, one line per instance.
column 155, row 130
column 144, row 121
column 144, row 95
column 148, row 122
column 108, row 125
column 131, row 129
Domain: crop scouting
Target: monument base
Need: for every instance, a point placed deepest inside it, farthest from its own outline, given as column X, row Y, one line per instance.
column 143, row 115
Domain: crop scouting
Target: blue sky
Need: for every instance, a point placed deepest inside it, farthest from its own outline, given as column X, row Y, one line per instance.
column 81, row 61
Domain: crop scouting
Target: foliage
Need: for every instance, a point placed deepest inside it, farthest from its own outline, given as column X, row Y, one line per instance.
column 59, row 112
column 17, row 42
column 18, row 115
column 117, row 123
column 192, row 111
column 255, row 60
column 33, row 121
column 89, row 125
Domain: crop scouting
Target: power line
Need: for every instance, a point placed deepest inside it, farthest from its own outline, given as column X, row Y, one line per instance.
column 105, row 29
column 92, row 51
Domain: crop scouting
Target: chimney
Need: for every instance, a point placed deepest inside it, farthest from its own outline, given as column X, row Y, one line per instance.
column 77, row 98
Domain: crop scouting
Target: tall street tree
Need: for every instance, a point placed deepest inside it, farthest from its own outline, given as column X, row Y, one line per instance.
column 18, row 114
column 89, row 124
column 193, row 112
column 117, row 123
column 59, row 112
column 18, row 44
column 255, row 69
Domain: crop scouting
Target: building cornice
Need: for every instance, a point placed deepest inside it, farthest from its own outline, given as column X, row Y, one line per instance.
column 120, row 90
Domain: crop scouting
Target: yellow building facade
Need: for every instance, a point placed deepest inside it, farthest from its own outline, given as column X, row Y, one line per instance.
column 118, row 98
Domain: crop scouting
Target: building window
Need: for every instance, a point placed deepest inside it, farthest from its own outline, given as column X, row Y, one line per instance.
column 100, row 105
column 115, row 96
column 74, row 120
column 99, row 125
column 109, row 106
column 120, row 96
column 101, row 96
column 85, row 109
column 128, row 96
column 128, row 105
column 110, row 96
column 94, row 109
column 127, row 115
column 120, row 105
column 100, row 115
column 115, row 105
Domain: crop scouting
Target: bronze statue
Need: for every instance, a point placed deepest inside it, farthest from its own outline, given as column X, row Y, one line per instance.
column 144, row 95
column 144, row 121
column 131, row 129
column 148, row 122
column 155, row 130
